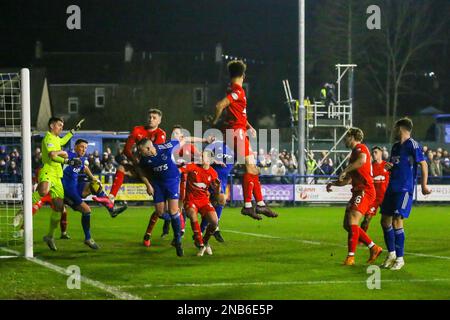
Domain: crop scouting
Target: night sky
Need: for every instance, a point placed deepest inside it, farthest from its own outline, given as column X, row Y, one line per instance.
column 259, row 29
column 255, row 29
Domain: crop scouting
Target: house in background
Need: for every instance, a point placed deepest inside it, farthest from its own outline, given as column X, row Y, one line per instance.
column 114, row 90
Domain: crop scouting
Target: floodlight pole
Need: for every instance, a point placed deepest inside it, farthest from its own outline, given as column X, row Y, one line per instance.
column 301, row 84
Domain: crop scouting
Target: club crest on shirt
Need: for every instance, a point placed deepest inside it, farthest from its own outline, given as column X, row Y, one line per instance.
column 164, row 157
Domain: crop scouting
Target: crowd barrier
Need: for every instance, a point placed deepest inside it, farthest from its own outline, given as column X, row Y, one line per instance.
column 293, row 189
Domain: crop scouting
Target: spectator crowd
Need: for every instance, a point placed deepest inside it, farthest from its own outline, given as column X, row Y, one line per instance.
column 438, row 163
column 10, row 165
column 272, row 163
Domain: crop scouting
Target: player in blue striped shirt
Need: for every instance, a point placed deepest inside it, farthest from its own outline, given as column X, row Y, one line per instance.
column 406, row 156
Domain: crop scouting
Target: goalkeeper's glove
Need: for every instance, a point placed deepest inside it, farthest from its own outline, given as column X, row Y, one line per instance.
column 74, row 162
column 77, row 126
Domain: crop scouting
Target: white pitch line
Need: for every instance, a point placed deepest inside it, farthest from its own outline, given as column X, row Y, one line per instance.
column 326, row 243
column 273, row 237
column 274, row 283
column 94, row 283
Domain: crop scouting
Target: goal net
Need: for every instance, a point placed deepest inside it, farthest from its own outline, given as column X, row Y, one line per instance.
column 16, row 233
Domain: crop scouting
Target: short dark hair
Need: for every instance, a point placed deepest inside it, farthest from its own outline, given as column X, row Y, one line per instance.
column 53, row 120
column 356, row 133
column 405, row 123
column 177, row 126
column 81, row 141
column 156, row 111
column 142, row 142
column 377, row 148
column 236, row 68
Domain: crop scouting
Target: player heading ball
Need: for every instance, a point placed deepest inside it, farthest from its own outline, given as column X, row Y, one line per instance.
column 235, row 130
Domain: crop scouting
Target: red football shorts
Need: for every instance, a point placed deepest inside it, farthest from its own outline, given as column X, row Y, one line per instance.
column 241, row 142
column 361, row 202
column 373, row 208
column 202, row 206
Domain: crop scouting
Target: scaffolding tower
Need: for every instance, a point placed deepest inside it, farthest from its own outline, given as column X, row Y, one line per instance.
column 326, row 125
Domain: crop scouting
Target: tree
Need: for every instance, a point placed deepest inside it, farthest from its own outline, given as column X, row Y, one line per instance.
column 408, row 28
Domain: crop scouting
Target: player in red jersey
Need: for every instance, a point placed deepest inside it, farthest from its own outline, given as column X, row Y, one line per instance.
column 150, row 131
column 359, row 174
column 200, row 177
column 380, row 181
column 235, row 130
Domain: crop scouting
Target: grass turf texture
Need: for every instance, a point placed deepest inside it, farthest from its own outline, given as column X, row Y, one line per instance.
column 275, row 260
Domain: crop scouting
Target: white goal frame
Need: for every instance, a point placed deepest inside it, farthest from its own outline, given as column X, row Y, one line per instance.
column 26, row 162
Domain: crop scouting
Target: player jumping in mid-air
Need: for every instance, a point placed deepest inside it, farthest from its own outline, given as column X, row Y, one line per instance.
column 152, row 132
column 201, row 177
column 406, row 155
column 380, row 181
column 235, row 103
column 51, row 173
column 359, row 174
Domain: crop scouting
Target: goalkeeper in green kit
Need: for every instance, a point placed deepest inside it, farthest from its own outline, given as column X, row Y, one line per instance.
column 51, row 172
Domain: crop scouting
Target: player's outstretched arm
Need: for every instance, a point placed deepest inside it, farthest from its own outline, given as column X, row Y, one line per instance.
column 89, row 174
column 338, row 183
column 70, row 134
column 209, row 139
column 145, row 180
column 131, row 141
column 220, row 106
column 424, row 167
column 59, row 156
column 252, row 130
column 360, row 161
column 56, row 157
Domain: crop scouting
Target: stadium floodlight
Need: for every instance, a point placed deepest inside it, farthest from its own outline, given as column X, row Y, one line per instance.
column 16, row 186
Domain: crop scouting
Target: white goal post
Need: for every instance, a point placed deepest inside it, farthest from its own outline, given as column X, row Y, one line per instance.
column 16, row 172
column 26, row 161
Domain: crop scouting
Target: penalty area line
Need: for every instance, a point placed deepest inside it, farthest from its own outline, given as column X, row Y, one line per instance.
column 418, row 254
column 115, row 291
column 275, row 283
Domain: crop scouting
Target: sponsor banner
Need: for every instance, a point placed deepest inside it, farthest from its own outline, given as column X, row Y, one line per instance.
column 318, row 193
column 439, row 192
column 11, row 192
column 130, row 192
column 282, row 192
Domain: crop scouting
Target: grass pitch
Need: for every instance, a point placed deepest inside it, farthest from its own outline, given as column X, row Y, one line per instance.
column 298, row 255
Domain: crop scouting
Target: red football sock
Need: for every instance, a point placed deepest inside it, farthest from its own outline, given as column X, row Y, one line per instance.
column 353, row 237
column 63, row 222
column 118, row 180
column 46, row 199
column 183, row 222
column 257, row 192
column 197, row 232
column 151, row 224
column 37, row 206
column 247, row 186
column 364, row 237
